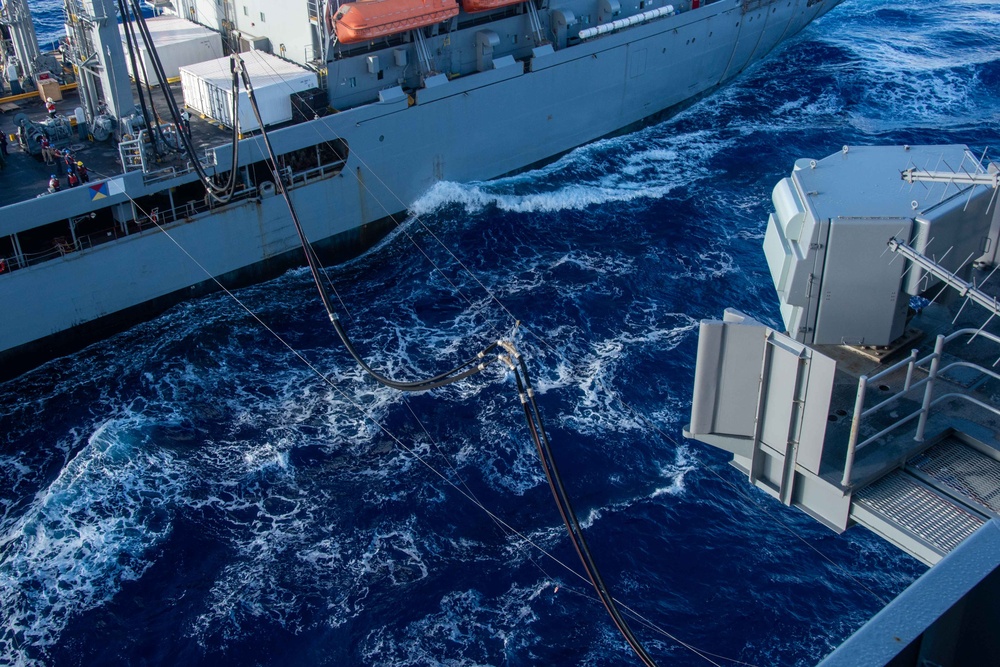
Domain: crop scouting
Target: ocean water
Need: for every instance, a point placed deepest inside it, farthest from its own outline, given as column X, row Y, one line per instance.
column 190, row 492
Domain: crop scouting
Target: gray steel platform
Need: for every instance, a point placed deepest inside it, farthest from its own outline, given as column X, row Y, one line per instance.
column 962, row 472
column 943, row 495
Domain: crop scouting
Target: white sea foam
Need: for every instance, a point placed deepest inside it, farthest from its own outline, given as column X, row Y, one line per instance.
column 475, row 198
column 88, row 532
column 684, row 463
column 598, row 263
column 642, row 171
column 592, row 370
column 468, row 629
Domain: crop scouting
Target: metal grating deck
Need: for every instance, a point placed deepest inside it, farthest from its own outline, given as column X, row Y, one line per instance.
column 918, row 510
column 957, row 467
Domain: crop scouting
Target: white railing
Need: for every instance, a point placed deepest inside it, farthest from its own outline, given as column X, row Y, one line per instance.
column 927, row 403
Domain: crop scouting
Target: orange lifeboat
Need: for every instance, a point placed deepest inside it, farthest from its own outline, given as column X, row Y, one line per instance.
column 472, row 6
column 370, row 19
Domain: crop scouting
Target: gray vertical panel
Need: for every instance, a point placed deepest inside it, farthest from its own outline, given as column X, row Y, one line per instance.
column 727, row 378
column 860, row 296
column 706, row 377
column 815, row 411
column 779, row 398
column 739, row 379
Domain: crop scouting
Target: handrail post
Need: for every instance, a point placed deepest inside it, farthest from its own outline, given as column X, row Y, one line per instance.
column 852, row 443
column 925, row 407
column 909, row 370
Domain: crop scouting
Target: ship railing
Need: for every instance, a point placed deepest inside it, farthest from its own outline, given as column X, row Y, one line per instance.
column 189, row 210
column 150, row 176
column 928, row 401
column 156, row 218
column 301, row 177
column 61, row 246
column 165, row 174
column 297, row 178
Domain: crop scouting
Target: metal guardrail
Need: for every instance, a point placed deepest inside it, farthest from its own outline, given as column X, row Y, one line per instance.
column 155, row 219
column 157, row 175
column 928, row 401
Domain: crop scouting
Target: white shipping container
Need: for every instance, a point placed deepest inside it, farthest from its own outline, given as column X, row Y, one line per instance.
column 178, row 42
column 207, row 88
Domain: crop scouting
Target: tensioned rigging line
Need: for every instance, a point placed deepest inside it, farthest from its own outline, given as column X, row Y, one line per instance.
column 534, row 335
column 471, row 367
column 329, row 381
column 333, row 288
column 547, row 345
column 405, row 386
column 401, row 227
column 461, row 372
column 364, row 185
column 464, row 370
column 416, row 386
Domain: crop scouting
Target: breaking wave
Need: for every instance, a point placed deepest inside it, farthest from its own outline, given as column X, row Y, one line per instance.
column 189, row 492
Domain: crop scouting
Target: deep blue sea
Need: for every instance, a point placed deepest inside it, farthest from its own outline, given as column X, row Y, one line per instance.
column 189, row 492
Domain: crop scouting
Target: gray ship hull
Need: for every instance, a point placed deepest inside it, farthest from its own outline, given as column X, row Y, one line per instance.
column 521, row 114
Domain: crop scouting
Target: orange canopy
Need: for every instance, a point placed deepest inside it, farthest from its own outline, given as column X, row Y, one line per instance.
column 370, row 19
column 472, row 6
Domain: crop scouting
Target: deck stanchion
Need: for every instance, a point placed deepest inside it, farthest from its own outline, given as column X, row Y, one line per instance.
column 852, row 444
column 925, row 408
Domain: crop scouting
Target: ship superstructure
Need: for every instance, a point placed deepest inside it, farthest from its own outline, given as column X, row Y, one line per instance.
column 402, row 94
column 876, row 401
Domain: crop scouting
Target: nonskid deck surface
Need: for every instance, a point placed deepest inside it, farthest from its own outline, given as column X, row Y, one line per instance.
column 940, row 498
column 963, row 472
column 27, row 176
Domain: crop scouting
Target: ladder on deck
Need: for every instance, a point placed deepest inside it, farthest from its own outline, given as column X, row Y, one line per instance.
column 132, row 155
column 940, row 497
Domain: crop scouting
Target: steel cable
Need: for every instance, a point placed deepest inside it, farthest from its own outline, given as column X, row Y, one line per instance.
column 558, row 488
column 221, row 193
column 471, row 367
column 464, row 370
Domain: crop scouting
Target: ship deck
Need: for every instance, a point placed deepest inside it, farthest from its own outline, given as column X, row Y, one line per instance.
column 26, row 176
column 974, row 381
column 930, row 505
